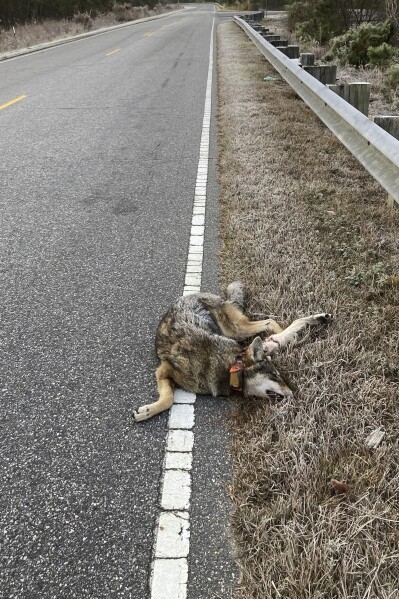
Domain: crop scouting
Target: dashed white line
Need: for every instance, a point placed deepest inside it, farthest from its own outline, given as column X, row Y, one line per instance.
column 172, row 543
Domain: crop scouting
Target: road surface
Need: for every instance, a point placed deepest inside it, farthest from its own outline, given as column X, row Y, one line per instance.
column 99, row 144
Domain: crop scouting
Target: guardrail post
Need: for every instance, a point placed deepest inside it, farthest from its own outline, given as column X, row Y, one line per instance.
column 341, row 89
column 270, row 37
column 293, row 51
column 282, row 49
column 324, row 73
column 357, row 94
column 374, row 148
column 276, row 43
column 390, row 124
column 307, row 59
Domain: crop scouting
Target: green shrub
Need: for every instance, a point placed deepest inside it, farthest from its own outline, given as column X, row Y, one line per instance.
column 352, row 47
column 298, row 12
column 314, row 20
column 393, row 76
column 381, row 55
column 305, row 31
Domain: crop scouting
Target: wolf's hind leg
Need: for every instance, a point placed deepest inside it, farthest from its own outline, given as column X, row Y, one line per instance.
column 280, row 339
column 165, row 390
column 236, row 325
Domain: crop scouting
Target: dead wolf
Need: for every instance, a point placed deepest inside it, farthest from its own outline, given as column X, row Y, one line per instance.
column 199, row 342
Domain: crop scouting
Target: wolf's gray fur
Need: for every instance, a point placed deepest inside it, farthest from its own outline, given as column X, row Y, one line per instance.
column 198, row 341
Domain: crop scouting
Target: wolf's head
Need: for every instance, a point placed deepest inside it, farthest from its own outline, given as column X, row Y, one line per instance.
column 261, row 377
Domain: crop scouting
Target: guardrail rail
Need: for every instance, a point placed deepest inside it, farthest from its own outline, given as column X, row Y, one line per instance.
column 376, row 149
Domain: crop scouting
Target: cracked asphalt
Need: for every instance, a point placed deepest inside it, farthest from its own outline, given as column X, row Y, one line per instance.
column 97, row 171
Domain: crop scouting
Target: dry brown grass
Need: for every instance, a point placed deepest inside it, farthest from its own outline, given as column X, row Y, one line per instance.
column 32, row 34
column 383, row 99
column 307, row 230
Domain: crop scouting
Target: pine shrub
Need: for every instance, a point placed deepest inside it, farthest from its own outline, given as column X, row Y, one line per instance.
column 380, row 56
column 353, row 46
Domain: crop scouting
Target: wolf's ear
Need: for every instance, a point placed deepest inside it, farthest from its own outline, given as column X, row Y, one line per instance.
column 254, row 352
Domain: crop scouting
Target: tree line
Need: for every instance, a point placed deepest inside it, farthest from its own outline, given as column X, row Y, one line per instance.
column 13, row 12
column 320, row 20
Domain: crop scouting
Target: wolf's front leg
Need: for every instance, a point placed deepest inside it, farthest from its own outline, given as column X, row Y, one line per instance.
column 165, row 401
column 278, row 340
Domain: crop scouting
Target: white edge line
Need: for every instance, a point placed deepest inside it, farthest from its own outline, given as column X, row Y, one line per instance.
column 169, row 575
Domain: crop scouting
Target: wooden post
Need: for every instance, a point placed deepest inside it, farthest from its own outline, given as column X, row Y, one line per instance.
column 390, row 124
column 341, row 89
column 279, row 43
column 307, row 59
column 324, row 73
column 293, row 51
column 282, row 49
column 313, row 70
column 357, row 94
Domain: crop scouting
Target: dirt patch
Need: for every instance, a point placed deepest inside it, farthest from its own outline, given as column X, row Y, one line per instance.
column 307, row 230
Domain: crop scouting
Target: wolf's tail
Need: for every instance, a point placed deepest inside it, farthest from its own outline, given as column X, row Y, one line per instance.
column 236, row 294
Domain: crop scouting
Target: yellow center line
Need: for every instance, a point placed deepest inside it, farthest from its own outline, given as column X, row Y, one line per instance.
column 170, row 25
column 12, row 102
column 150, row 33
column 112, row 52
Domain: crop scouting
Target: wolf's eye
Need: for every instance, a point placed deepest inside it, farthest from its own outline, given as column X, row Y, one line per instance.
column 275, row 375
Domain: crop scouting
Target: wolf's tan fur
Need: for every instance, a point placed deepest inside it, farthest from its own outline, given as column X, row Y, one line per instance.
column 197, row 342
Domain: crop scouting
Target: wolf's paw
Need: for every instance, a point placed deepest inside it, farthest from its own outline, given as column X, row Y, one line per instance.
column 142, row 413
column 323, row 318
column 270, row 346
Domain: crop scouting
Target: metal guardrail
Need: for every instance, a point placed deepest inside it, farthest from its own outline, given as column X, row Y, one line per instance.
column 377, row 150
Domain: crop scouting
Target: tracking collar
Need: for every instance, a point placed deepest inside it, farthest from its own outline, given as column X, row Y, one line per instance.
column 237, row 375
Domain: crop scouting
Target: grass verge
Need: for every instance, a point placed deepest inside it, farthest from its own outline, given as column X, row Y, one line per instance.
column 307, row 230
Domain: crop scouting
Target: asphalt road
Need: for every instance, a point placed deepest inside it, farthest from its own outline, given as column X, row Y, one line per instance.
column 97, row 174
